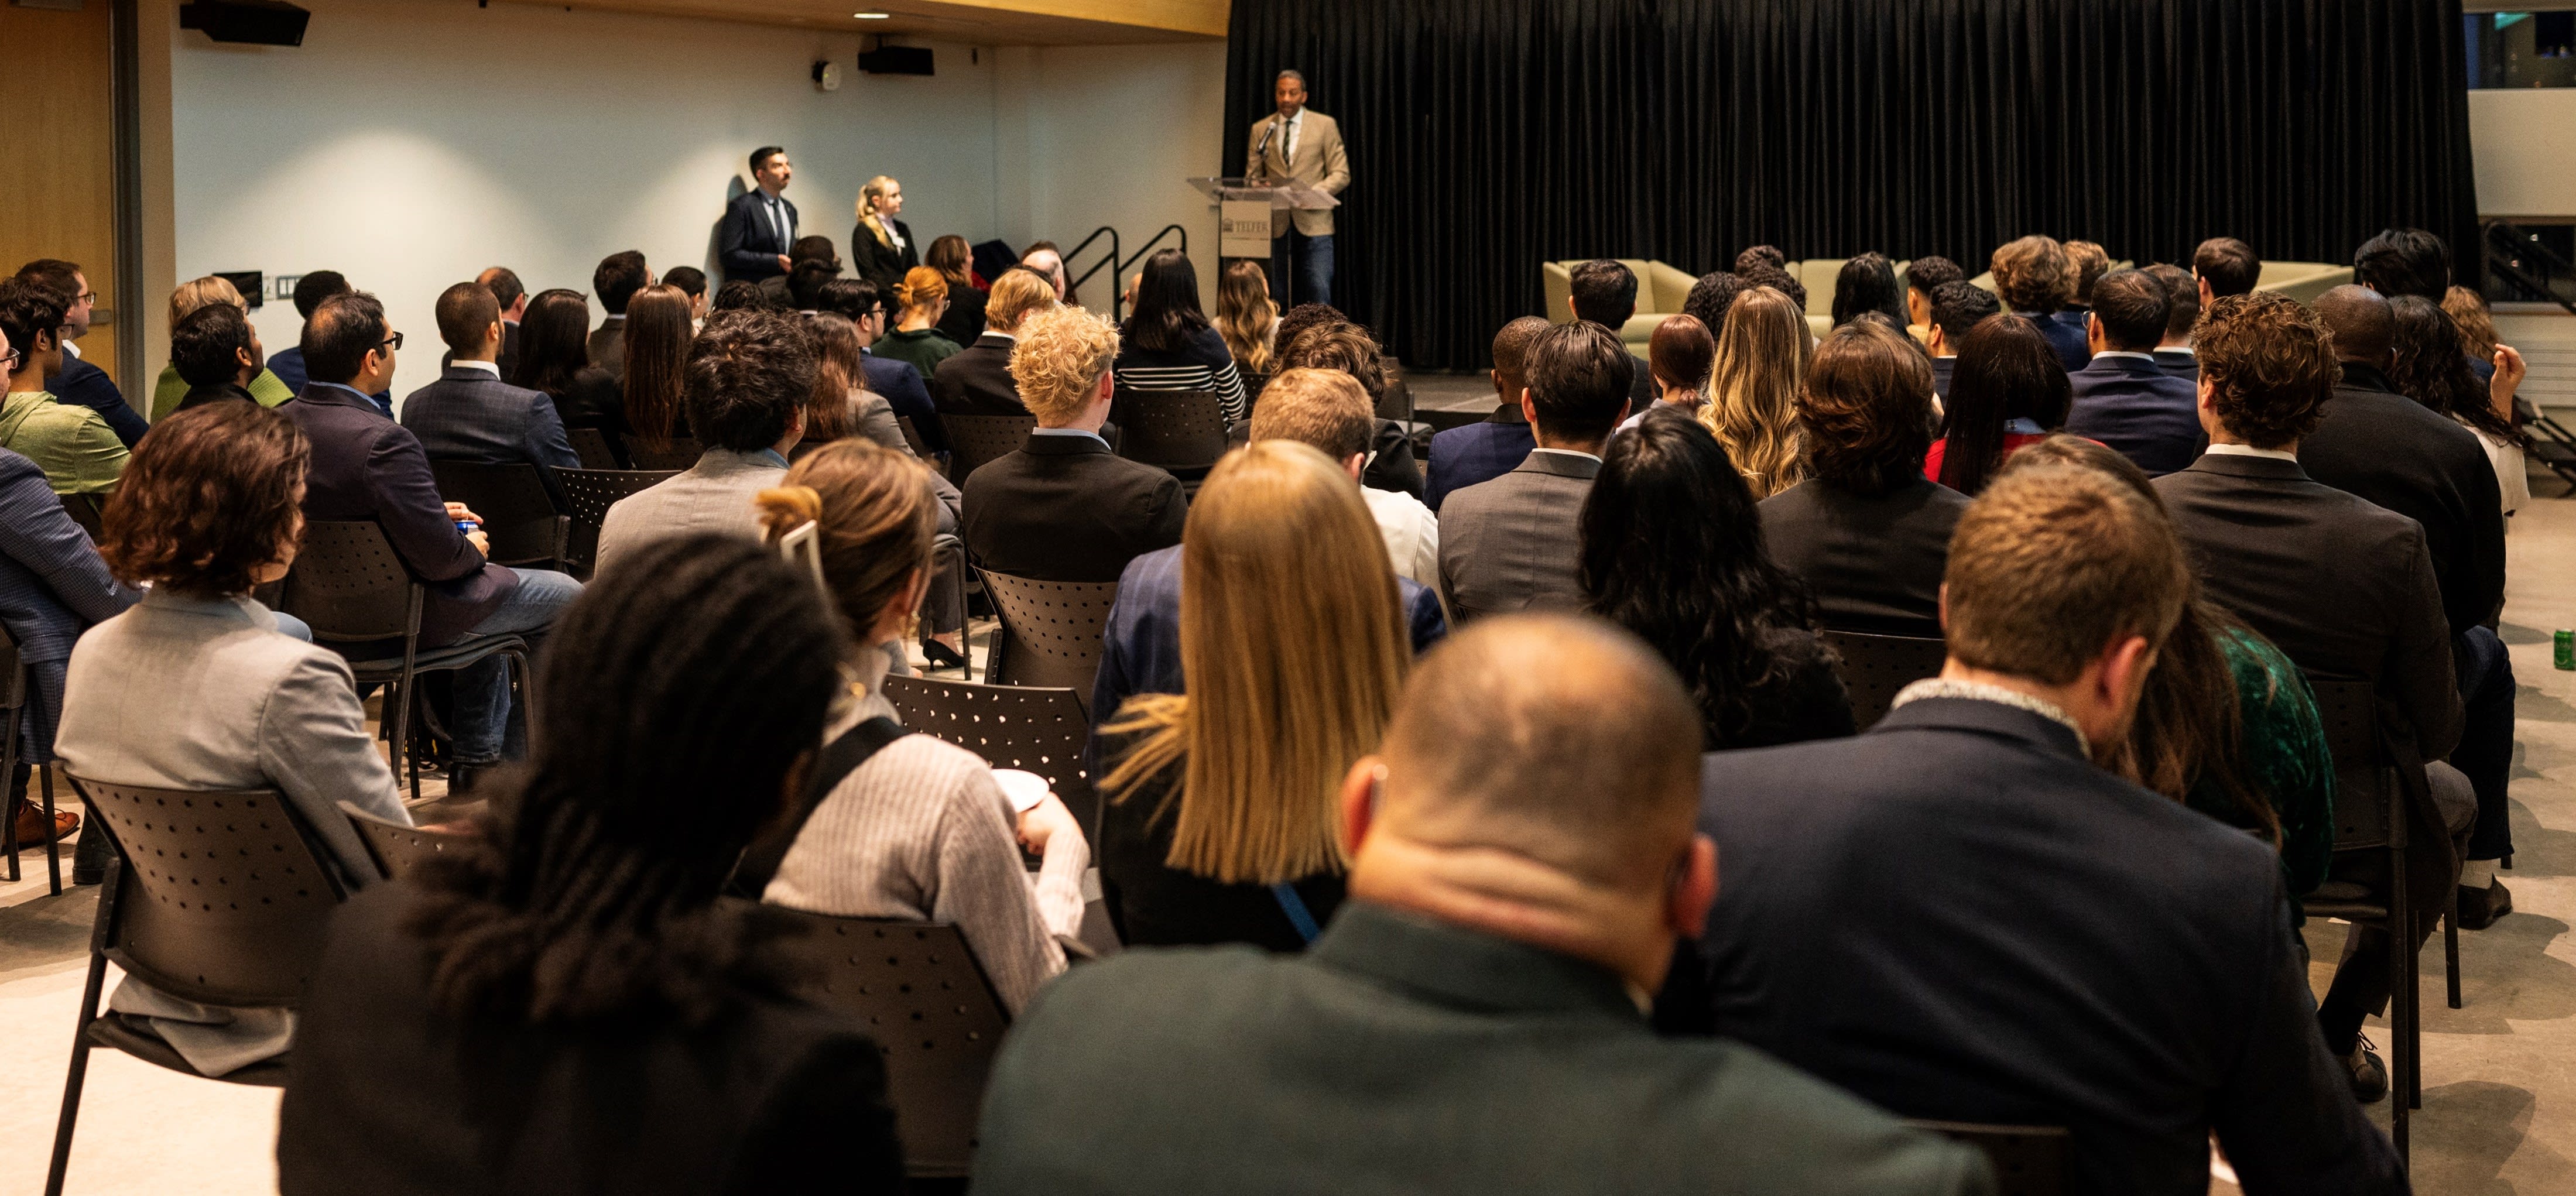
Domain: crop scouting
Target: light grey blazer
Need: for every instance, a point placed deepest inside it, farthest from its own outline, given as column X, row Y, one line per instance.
column 712, row 496
column 194, row 693
column 1514, row 543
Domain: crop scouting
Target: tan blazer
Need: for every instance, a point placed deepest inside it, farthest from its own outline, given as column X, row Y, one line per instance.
column 1319, row 163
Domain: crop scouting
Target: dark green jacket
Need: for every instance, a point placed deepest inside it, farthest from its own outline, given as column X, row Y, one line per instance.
column 1401, row 1055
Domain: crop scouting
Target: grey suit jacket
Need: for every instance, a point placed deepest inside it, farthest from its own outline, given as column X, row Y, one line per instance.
column 712, row 496
column 1514, row 543
column 608, row 347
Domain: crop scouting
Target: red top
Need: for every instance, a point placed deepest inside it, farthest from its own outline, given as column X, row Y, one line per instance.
column 2012, row 444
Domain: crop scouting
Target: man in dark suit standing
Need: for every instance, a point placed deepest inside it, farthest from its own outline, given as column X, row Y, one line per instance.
column 2400, row 454
column 759, row 225
column 469, row 414
column 977, row 380
column 1480, row 452
column 2182, row 309
column 1959, row 916
column 1956, row 308
column 1512, row 544
column 1522, row 861
column 1605, row 292
column 81, row 384
column 1065, row 508
column 2343, row 586
column 366, row 467
column 2122, row 397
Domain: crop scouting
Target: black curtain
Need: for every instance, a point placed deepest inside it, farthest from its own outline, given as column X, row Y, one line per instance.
column 1486, row 136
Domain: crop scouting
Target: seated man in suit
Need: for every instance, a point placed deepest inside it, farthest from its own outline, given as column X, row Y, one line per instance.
column 1521, row 863
column 2018, row 935
column 469, row 414
column 2344, row 587
column 977, row 380
column 512, row 297
column 745, row 387
column 2223, row 266
column 2034, row 279
column 217, row 353
column 1513, row 543
column 616, row 280
column 79, row 453
column 2402, row 455
column 78, row 383
column 2122, row 397
column 759, row 224
column 1065, row 508
column 2182, row 310
column 2086, row 263
column 367, row 467
column 1605, row 293
column 1956, row 307
column 1480, row 452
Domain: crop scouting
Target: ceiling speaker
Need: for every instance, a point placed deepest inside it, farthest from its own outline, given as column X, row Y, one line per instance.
column 896, row 60
column 246, row 22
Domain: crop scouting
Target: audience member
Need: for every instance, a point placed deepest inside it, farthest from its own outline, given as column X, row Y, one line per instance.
column 916, row 339
column 1779, row 280
column 977, row 381
column 2034, row 280
column 1867, row 533
column 366, row 467
column 216, row 354
column 579, row 948
column 616, row 280
column 2468, row 311
column 52, row 587
column 902, row 385
column 2123, row 398
column 842, row 405
column 2003, row 395
column 1710, row 297
column 964, row 319
column 1480, row 452
column 1605, row 293
column 2134, row 974
column 2404, row 261
column 743, row 296
column 691, row 282
column 1169, row 344
column 310, row 291
column 76, row 448
column 2086, row 263
column 1327, row 410
column 1672, row 550
column 1957, row 308
column 196, row 688
column 77, row 383
column 191, row 297
column 2225, row 266
column 1762, row 353
column 1247, row 317
column 659, row 328
column 2182, row 310
column 811, row 262
column 469, row 414
column 1760, row 257
column 1868, row 283
column 2267, row 368
column 512, row 296
column 916, row 829
column 881, row 246
column 554, row 359
column 2433, row 364
column 1924, row 278
column 759, row 224
column 1521, row 862
column 1219, row 826
column 748, row 378
column 1681, row 357
column 1514, row 543
column 1064, row 507
column 1048, row 262
column 1347, row 348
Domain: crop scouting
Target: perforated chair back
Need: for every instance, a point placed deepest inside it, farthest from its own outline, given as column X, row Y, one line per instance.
column 2029, row 1160
column 399, row 850
column 89, row 511
column 1174, row 429
column 591, row 445
column 1875, row 667
column 519, row 513
column 677, row 453
column 1034, row 730
column 975, row 440
column 224, row 895
column 917, row 990
column 1053, row 630
column 590, row 492
column 347, row 583
column 2365, row 772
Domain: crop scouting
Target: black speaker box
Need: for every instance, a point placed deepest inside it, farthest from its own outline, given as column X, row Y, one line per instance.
column 247, row 22
column 896, row 60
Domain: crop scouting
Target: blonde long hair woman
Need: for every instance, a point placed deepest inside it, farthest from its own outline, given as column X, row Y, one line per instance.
column 1761, row 359
column 1248, row 318
column 881, row 247
column 1221, row 825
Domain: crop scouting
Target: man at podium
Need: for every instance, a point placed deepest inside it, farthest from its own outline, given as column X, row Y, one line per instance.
column 1299, row 145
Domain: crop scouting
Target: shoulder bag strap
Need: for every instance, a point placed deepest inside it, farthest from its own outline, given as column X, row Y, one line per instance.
column 840, row 758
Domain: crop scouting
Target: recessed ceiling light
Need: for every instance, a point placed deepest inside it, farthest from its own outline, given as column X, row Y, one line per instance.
column 871, row 15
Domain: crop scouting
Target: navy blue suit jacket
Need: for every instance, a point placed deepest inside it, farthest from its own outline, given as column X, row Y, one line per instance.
column 1941, row 369
column 52, row 587
column 747, row 244
column 471, row 415
column 2179, row 363
column 1477, row 452
column 84, row 385
column 903, row 390
column 2139, row 408
column 366, row 466
column 2067, row 339
column 1957, row 916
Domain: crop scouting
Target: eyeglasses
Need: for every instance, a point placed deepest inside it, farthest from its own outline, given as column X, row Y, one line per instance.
column 393, row 342
column 10, row 362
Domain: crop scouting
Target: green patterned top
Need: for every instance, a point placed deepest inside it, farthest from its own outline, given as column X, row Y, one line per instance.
column 2284, row 754
column 268, row 390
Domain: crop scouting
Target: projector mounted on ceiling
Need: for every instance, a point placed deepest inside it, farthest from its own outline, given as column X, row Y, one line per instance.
column 246, row 22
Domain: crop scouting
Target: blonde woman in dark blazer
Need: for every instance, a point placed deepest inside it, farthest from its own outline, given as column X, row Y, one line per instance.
column 881, row 247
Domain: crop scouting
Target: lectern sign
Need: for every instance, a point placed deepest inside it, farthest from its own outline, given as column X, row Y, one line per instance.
column 1244, row 228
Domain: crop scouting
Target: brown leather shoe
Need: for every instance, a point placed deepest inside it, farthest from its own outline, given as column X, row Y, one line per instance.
column 31, row 824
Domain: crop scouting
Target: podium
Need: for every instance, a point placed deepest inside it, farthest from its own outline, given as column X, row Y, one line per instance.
column 1249, row 210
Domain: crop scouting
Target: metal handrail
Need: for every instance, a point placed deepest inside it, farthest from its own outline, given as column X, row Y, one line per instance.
column 2523, row 244
column 1117, row 302
column 1148, row 248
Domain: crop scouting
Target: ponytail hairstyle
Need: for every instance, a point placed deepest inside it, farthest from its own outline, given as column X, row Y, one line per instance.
column 921, row 287
column 877, row 515
column 868, row 197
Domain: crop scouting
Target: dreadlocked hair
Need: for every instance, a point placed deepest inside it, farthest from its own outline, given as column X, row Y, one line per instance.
column 678, row 697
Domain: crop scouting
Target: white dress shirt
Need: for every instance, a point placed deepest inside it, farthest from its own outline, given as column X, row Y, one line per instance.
column 1412, row 533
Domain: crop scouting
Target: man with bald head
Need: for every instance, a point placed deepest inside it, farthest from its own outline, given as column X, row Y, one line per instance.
column 1522, row 859
column 2400, row 454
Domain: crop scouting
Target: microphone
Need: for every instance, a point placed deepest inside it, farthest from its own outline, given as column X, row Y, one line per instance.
column 1262, row 164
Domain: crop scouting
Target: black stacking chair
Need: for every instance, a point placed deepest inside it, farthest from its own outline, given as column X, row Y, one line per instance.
column 521, row 515
column 1043, row 731
column 89, row 511
column 399, row 850
column 214, row 897
column 350, row 586
column 974, row 440
column 2029, row 1160
column 17, row 689
column 1182, row 432
column 590, row 492
column 919, row 992
column 592, row 446
column 1050, row 633
column 680, row 453
column 920, row 448
column 1875, row 667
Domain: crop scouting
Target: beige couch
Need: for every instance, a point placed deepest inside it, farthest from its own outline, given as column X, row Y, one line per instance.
column 1661, row 287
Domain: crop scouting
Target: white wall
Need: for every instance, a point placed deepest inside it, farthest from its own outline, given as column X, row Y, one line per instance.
column 2523, row 143
column 1109, row 133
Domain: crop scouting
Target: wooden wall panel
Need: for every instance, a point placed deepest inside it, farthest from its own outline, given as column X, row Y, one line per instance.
column 57, row 157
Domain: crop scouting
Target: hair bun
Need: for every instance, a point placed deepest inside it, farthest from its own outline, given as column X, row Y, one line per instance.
column 783, row 509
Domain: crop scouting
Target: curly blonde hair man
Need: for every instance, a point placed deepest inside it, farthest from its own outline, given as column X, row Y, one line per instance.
column 1061, row 363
